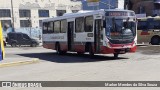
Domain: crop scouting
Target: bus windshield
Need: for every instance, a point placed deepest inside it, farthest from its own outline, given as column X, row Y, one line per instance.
column 120, row 29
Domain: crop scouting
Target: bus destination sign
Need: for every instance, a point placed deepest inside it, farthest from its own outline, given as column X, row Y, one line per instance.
column 119, row 13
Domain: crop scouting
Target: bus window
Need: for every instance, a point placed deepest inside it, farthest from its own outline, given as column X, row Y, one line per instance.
column 63, row 26
column 89, row 24
column 50, row 27
column 57, row 27
column 142, row 25
column 79, row 24
column 45, row 27
column 157, row 24
column 150, row 24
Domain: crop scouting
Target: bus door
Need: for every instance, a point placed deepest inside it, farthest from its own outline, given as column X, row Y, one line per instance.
column 70, row 35
column 97, row 34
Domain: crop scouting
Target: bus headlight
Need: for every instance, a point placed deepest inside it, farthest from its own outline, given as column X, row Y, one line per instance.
column 107, row 44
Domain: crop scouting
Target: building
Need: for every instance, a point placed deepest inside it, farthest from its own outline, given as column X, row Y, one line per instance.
column 147, row 7
column 104, row 4
column 30, row 13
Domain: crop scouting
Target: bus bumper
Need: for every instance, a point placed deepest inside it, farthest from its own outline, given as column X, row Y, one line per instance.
column 106, row 50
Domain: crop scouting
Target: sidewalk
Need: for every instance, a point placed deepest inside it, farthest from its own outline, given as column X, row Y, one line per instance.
column 13, row 58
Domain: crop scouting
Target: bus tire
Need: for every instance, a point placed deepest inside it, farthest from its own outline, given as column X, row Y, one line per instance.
column 80, row 53
column 91, row 53
column 155, row 40
column 58, row 49
column 116, row 55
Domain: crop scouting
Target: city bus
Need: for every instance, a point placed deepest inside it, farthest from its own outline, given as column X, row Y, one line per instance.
column 95, row 32
column 148, row 30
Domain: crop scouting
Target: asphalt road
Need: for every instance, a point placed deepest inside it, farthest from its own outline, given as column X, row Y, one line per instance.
column 144, row 65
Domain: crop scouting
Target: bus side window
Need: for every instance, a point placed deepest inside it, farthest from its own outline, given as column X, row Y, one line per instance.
column 57, row 27
column 142, row 25
column 50, row 27
column 79, row 24
column 45, row 27
column 64, row 26
column 89, row 24
column 157, row 24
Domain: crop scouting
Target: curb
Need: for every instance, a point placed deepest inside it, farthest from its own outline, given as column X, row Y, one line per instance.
column 19, row 63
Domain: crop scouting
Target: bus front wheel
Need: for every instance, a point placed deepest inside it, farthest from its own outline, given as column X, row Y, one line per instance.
column 116, row 55
column 155, row 40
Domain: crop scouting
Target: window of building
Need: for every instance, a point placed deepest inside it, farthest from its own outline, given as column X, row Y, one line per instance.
column 5, row 13
column 25, row 23
column 24, row 13
column 50, row 27
column 56, row 26
column 60, row 12
column 6, row 23
column 45, row 27
column 43, row 13
column 89, row 24
column 79, row 24
column 63, row 26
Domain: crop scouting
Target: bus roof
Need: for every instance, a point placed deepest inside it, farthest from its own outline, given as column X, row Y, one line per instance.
column 84, row 13
column 149, row 17
column 119, row 10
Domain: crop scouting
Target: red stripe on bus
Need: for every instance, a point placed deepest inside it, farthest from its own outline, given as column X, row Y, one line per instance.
column 145, row 33
column 120, row 45
column 49, row 46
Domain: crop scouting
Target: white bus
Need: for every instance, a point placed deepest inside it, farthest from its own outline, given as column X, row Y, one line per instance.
column 148, row 30
column 96, row 32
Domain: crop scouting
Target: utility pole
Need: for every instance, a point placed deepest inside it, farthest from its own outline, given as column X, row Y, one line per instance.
column 109, row 2
column 30, row 26
column 12, row 15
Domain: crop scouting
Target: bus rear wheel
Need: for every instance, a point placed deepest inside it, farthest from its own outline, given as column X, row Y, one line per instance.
column 58, row 51
column 80, row 53
column 91, row 53
column 155, row 40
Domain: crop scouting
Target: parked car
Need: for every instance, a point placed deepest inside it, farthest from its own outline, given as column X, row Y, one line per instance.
column 18, row 38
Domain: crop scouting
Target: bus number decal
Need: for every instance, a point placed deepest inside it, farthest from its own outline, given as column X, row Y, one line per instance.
column 58, row 37
column 90, row 34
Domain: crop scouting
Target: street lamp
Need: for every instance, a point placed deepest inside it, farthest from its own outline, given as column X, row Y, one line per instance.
column 12, row 15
